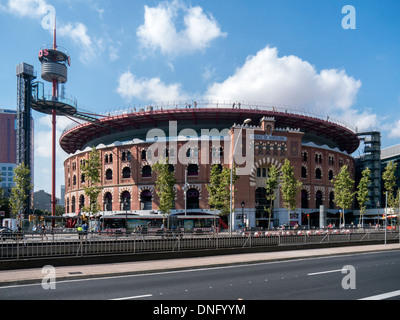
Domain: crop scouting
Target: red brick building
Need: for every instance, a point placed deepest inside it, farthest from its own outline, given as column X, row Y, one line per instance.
column 194, row 138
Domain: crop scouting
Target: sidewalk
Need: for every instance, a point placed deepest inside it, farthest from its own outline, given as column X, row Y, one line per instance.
column 11, row 277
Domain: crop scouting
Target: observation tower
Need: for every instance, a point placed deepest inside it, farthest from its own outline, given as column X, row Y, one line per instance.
column 54, row 69
column 54, row 64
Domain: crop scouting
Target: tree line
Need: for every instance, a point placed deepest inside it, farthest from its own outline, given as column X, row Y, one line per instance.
column 219, row 190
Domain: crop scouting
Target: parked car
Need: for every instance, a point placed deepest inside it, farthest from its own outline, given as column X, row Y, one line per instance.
column 7, row 233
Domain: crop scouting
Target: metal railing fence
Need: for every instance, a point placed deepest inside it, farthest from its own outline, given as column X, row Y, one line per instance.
column 34, row 245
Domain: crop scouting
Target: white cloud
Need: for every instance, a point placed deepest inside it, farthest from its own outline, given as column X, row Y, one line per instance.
column 269, row 79
column 43, row 152
column 159, row 30
column 43, row 136
column 148, row 89
column 208, row 73
column 292, row 82
column 26, row 8
column 287, row 80
column 356, row 119
column 78, row 33
column 395, row 130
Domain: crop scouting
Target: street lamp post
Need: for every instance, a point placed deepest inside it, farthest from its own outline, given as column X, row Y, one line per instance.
column 386, row 212
column 243, row 204
column 125, row 206
column 185, row 190
column 378, row 205
column 232, row 162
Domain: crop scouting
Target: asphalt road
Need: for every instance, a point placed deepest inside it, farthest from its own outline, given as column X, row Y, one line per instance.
column 375, row 275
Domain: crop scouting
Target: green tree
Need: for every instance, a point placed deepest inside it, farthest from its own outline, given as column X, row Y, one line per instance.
column 22, row 190
column 165, row 186
column 271, row 184
column 389, row 178
column 91, row 169
column 219, row 188
column 217, row 191
column 290, row 187
column 362, row 192
column 344, row 194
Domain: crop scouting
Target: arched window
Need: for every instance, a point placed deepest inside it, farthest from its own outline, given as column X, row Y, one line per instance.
column 74, row 180
column 264, row 172
column 193, row 170
column 126, row 173
column 109, row 174
column 82, row 178
column 106, row 158
column 303, row 172
column 318, row 173
column 144, row 155
column 146, row 172
column 330, row 175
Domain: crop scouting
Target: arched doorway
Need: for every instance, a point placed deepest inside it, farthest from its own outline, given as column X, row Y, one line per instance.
column 126, row 200
column 192, row 198
column 146, row 200
column 304, row 199
column 318, row 199
column 261, row 202
column 331, row 200
column 108, row 202
column 73, row 203
column 81, row 201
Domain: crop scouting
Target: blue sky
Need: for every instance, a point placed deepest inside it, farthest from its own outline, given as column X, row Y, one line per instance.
column 285, row 52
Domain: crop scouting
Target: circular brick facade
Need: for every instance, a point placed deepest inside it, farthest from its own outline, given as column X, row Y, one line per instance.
column 194, row 139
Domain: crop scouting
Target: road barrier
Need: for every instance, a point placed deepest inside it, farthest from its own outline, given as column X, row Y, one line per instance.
column 33, row 245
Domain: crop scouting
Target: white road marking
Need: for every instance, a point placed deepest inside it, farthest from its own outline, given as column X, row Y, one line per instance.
column 196, row 270
column 134, row 297
column 323, row 272
column 383, row 296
